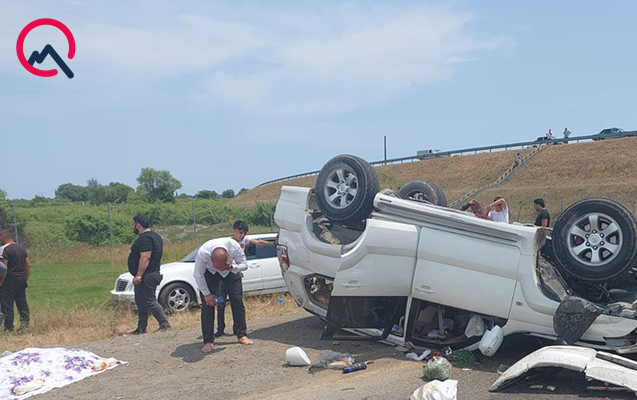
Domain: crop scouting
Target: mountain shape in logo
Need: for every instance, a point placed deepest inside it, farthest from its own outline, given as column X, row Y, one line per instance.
column 48, row 50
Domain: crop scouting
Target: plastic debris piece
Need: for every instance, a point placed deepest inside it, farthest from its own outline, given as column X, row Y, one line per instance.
column 475, row 327
column 416, row 357
column 437, row 368
column 295, row 356
column 437, row 390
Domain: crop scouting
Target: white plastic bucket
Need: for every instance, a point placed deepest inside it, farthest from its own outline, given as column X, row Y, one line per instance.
column 295, row 356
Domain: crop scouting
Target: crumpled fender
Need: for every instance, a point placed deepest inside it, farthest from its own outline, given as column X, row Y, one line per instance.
column 601, row 366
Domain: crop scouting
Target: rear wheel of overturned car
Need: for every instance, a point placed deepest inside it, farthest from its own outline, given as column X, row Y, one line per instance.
column 595, row 239
column 177, row 297
column 345, row 189
column 423, row 191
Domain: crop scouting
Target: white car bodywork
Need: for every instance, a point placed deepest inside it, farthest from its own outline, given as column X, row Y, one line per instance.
column 262, row 276
column 601, row 366
column 422, row 252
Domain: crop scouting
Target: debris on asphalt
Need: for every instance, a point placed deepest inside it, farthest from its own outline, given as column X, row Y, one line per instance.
column 355, row 367
column 604, row 367
column 550, row 388
column 335, row 360
column 437, row 368
column 436, row 390
column 296, row 357
column 416, row 357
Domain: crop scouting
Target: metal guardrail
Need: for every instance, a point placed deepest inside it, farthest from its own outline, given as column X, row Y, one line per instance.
column 474, row 150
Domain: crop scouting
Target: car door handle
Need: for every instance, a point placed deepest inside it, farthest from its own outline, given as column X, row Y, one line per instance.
column 352, row 285
column 425, row 289
column 254, row 265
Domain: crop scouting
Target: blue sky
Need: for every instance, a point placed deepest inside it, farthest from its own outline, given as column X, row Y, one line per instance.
column 229, row 94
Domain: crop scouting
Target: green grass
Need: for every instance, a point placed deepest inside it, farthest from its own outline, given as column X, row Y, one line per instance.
column 72, row 286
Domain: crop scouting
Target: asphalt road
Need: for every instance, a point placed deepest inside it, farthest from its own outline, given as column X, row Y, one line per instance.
column 169, row 365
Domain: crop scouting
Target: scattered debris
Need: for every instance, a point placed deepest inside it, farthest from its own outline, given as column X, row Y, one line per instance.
column 335, row 343
column 464, row 358
column 28, row 387
column 436, row 390
column 550, row 388
column 335, row 360
column 416, row 357
column 355, row 367
column 604, row 367
column 295, row 356
column 437, row 368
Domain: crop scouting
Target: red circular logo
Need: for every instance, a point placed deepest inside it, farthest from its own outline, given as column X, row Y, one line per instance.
column 29, row 65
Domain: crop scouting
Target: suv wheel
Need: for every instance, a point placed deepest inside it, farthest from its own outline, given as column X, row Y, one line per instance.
column 177, row 297
column 423, row 191
column 595, row 239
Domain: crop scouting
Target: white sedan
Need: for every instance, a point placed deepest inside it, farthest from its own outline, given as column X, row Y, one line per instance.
column 178, row 289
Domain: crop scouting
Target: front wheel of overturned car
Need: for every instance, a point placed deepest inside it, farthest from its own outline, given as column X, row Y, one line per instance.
column 595, row 239
column 177, row 297
column 345, row 189
column 423, row 191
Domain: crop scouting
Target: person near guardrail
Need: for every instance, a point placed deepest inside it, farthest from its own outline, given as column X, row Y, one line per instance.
column 517, row 161
column 566, row 134
column 476, row 209
column 498, row 210
column 543, row 217
column 239, row 231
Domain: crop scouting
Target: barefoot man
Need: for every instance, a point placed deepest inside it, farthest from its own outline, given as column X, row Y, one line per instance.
column 221, row 260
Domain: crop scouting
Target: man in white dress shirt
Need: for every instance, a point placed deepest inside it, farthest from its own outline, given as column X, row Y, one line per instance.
column 220, row 261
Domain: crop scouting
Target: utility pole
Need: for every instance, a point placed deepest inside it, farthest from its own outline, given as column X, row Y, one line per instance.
column 15, row 225
column 385, row 147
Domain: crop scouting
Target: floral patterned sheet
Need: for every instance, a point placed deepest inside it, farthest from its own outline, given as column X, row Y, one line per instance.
column 57, row 366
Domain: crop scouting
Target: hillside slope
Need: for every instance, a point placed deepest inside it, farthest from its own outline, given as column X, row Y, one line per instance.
column 561, row 174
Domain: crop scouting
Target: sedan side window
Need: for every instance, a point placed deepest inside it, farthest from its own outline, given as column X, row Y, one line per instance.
column 251, row 252
column 266, row 251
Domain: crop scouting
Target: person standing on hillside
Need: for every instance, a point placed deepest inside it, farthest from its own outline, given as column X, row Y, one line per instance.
column 543, row 217
column 14, row 281
column 239, row 232
column 567, row 133
column 221, row 261
column 498, row 210
column 144, row 261
column 517, row 160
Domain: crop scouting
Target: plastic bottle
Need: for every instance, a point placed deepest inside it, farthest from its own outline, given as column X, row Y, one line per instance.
column 220, row 299
column 281, row 301
column 355, row 367
column 101, row 365
column 28, row 387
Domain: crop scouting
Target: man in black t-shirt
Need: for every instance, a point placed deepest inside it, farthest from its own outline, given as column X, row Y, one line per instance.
column 14, row 282
column 543, row 216
column 144, row 261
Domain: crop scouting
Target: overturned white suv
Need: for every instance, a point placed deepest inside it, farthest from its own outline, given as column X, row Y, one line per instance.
column 404, row 267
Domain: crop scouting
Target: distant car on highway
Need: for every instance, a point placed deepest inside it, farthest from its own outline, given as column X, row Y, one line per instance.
column 178, row 289
column 610, row 133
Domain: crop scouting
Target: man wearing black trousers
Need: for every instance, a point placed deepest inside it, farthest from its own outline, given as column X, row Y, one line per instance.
column 143, row 263
column 221, row 261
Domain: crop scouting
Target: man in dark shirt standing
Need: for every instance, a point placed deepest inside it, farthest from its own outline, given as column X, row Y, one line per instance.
column 14, row 282
column 143, row 263
column 543, row 216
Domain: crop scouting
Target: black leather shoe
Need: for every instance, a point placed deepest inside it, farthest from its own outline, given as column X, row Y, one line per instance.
column 164, row 327
column 137, row 332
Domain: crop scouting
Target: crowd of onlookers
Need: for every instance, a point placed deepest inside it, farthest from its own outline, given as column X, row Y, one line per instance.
column 499, row 211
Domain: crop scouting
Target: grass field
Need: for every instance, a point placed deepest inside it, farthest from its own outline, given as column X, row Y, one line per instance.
column 70, row 302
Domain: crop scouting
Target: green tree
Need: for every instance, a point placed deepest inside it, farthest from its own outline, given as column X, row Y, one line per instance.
column 242, row 191
column 3, row 195
column 227, row 194
column 71, row 192
column 207, row 194
column 157, row 186
column 117, row 192
column 96, row 193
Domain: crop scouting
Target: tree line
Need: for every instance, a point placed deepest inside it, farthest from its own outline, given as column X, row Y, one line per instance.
column 154, row 186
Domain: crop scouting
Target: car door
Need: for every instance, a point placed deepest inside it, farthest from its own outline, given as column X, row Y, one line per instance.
column 252, row 277
column 374, row 280
column 270, row 269
column 472, row 271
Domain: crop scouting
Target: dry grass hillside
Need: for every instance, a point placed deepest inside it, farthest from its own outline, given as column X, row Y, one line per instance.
column 561, row 174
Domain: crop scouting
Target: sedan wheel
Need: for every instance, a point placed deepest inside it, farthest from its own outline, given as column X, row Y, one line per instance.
column 176, row 297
